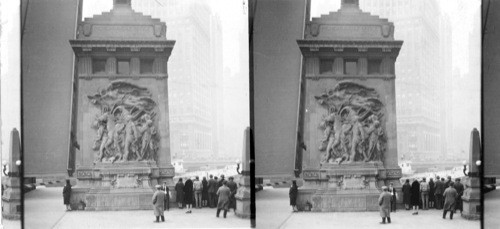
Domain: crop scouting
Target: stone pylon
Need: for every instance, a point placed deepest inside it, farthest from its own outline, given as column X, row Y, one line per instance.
column 472, row 193
column 11, row 198
column 243, row 199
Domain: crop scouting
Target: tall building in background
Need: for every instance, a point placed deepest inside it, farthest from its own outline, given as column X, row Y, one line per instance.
column 194, row 99
column 423, row 66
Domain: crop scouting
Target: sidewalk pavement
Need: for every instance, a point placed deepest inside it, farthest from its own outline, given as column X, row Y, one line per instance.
column 273, row 211
column 44, row 208
column 492, row 209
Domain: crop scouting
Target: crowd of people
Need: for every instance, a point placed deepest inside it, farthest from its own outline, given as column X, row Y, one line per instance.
column 440, row 194
column 213, row 193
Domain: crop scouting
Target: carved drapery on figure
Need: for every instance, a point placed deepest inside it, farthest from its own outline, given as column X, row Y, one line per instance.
column 125, row 127
column 353, row 129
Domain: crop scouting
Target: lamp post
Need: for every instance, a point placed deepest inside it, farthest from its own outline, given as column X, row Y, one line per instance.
column 471, row 174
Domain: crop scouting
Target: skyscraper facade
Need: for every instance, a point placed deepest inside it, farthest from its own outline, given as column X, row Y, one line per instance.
column 423, row 66
column 194, row 72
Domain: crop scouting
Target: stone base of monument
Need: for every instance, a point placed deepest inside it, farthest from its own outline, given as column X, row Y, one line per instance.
column 339, row 188
column 243, row 199
column 11, row 199
column 119, row 186
column 471, row 199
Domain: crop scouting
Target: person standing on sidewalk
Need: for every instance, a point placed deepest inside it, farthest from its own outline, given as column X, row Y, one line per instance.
column 158, row 202
column 424, row 190
column 450, row 195
column 384, row 201
column 188, row 194
column 166, row 190
column 294, row 190
column 460, row 191
column 223, row 192
column 179, row 189
column 67, row 195
column 438, row 192
column 394, row 194
column 198, row 189
column 415, row 196
column 407, row 194
column 212, row 188
column 233, row 187
column 432, row 189
column 204, row 193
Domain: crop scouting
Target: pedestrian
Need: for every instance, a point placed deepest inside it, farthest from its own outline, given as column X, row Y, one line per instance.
column 212, row 188
column 221, row 180
column 204, row 193
column 188, row 194
column 460, row 190
column 223, row 192
column 233, row 187
column 158, row 202
column 198, row 189
column 415, row 196
column 432, row 190
column 424, row 190
column 394, row 194
column 67, row 195
column 444, row 188
column 216, row 200
column 166, row 190
column 293, row 193
column 450, row 196
column 179, row 189
column 407, row 194
column 438, row 193
column 447, row 183
column 384, row 201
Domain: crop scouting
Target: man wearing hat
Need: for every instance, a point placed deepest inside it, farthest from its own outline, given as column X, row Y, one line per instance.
column 233, row 188
column 460, row 191
column 384, row 201
column 158, row 202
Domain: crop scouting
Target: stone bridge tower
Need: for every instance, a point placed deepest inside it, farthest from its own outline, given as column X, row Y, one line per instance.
column 122, row 110
column 349, row 124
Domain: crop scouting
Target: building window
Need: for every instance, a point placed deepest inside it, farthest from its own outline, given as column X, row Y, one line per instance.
column 98, row 66
column 351, row 67
column 123, row 67
column 146, row 66
column 374, row 66
column 325, row 66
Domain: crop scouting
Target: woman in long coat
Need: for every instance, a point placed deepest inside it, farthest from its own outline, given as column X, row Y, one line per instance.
column 188, row 194
column 407, row 194
column 293, row 196
column 223, row 204
column 432, row 190
column 415, row 196
column 450, row 194
column 179, row 189
column 384, row 201
column 67, row 195
column 204, row 193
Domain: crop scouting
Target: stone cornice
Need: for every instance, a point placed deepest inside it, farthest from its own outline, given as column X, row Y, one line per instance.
column 342, row 77
column 311, row 47
column 116, row 76
column 112, row 45
column 340, row 44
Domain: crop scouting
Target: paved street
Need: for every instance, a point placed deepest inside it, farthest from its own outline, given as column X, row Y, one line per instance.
column 45, row 209
column 492, row 208
column 273, row 211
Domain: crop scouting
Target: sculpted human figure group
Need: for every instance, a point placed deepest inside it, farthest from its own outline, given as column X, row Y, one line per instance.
column 352, row 127
column 125, row 127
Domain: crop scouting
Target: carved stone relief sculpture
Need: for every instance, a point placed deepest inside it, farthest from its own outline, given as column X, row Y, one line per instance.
column 125, row 126
column 352, row 128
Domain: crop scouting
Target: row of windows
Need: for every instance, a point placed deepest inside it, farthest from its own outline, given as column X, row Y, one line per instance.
column 122, row 66
column 351, row 66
